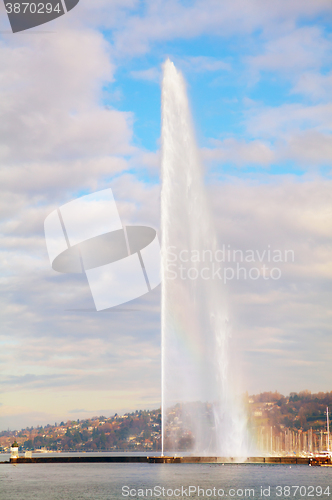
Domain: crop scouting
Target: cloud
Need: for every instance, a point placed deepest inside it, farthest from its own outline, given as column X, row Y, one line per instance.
column 60, row 140
column 163, row 20
column 279, row 121
column 149, row 160
column 239, row 153
column 150, row 75
column 201, row 64
column 77, row 352
column 55, row 179
column 316, row 86
column 281, row 215
column 308, row 148
column 16, row 418
column 55, row 83
column 296, row 132
column 301, row 48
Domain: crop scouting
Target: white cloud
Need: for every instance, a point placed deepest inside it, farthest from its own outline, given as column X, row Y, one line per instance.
column 314, row 85
column 50, row 89
column 295, row 131
column 76, row 351
column 150, row 75
column 138, row 202
column 294, row 310
column 308, row 148
column 54, row 179
column 301, row 48
column 239, row 153
column 201, row 64
column 59, row 140
column 279, row 122
column 166, row 20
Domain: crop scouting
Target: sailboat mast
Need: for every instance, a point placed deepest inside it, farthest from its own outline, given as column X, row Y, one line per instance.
column 328, row 429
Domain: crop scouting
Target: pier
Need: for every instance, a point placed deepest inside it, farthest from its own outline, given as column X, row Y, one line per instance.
column 158, row 460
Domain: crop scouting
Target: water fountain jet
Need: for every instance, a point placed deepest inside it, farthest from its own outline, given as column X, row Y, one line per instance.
column 199, row 409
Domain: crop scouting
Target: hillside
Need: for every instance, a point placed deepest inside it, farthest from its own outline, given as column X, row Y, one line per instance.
column 301, row 410
column 296, row 423
column 139, row 430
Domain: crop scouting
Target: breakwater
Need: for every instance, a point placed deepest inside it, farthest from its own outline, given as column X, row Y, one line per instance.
column 159, row 460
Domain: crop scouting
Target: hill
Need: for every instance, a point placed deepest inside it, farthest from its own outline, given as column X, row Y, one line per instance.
column 296, row 423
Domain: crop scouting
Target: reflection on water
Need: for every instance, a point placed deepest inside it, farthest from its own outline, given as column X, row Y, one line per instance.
column 104, row 481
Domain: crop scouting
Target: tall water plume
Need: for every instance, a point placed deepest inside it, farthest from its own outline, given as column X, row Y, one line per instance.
column 199, row 409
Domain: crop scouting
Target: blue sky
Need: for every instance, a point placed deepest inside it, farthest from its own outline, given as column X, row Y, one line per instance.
column 80, row 111
column 229, row 79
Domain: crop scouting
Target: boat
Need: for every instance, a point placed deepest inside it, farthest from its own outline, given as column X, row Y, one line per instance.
column 324, row 459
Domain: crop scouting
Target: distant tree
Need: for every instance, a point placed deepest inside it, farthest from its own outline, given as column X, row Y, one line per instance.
column 302, row 417
column 102, row 441
column 146, row 434
column 28, row 444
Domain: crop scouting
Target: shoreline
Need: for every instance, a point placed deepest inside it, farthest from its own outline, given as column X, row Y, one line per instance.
column 159, row 460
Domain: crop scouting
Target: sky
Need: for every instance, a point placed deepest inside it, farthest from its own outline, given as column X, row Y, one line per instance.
column 80, row 111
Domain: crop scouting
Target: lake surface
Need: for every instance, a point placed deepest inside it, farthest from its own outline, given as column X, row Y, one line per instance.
column 105, row 481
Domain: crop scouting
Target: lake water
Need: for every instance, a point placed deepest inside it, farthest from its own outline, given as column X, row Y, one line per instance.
column 105, row 481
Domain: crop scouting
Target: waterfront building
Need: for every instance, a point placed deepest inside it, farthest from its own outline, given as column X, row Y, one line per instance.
column 14, row 450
